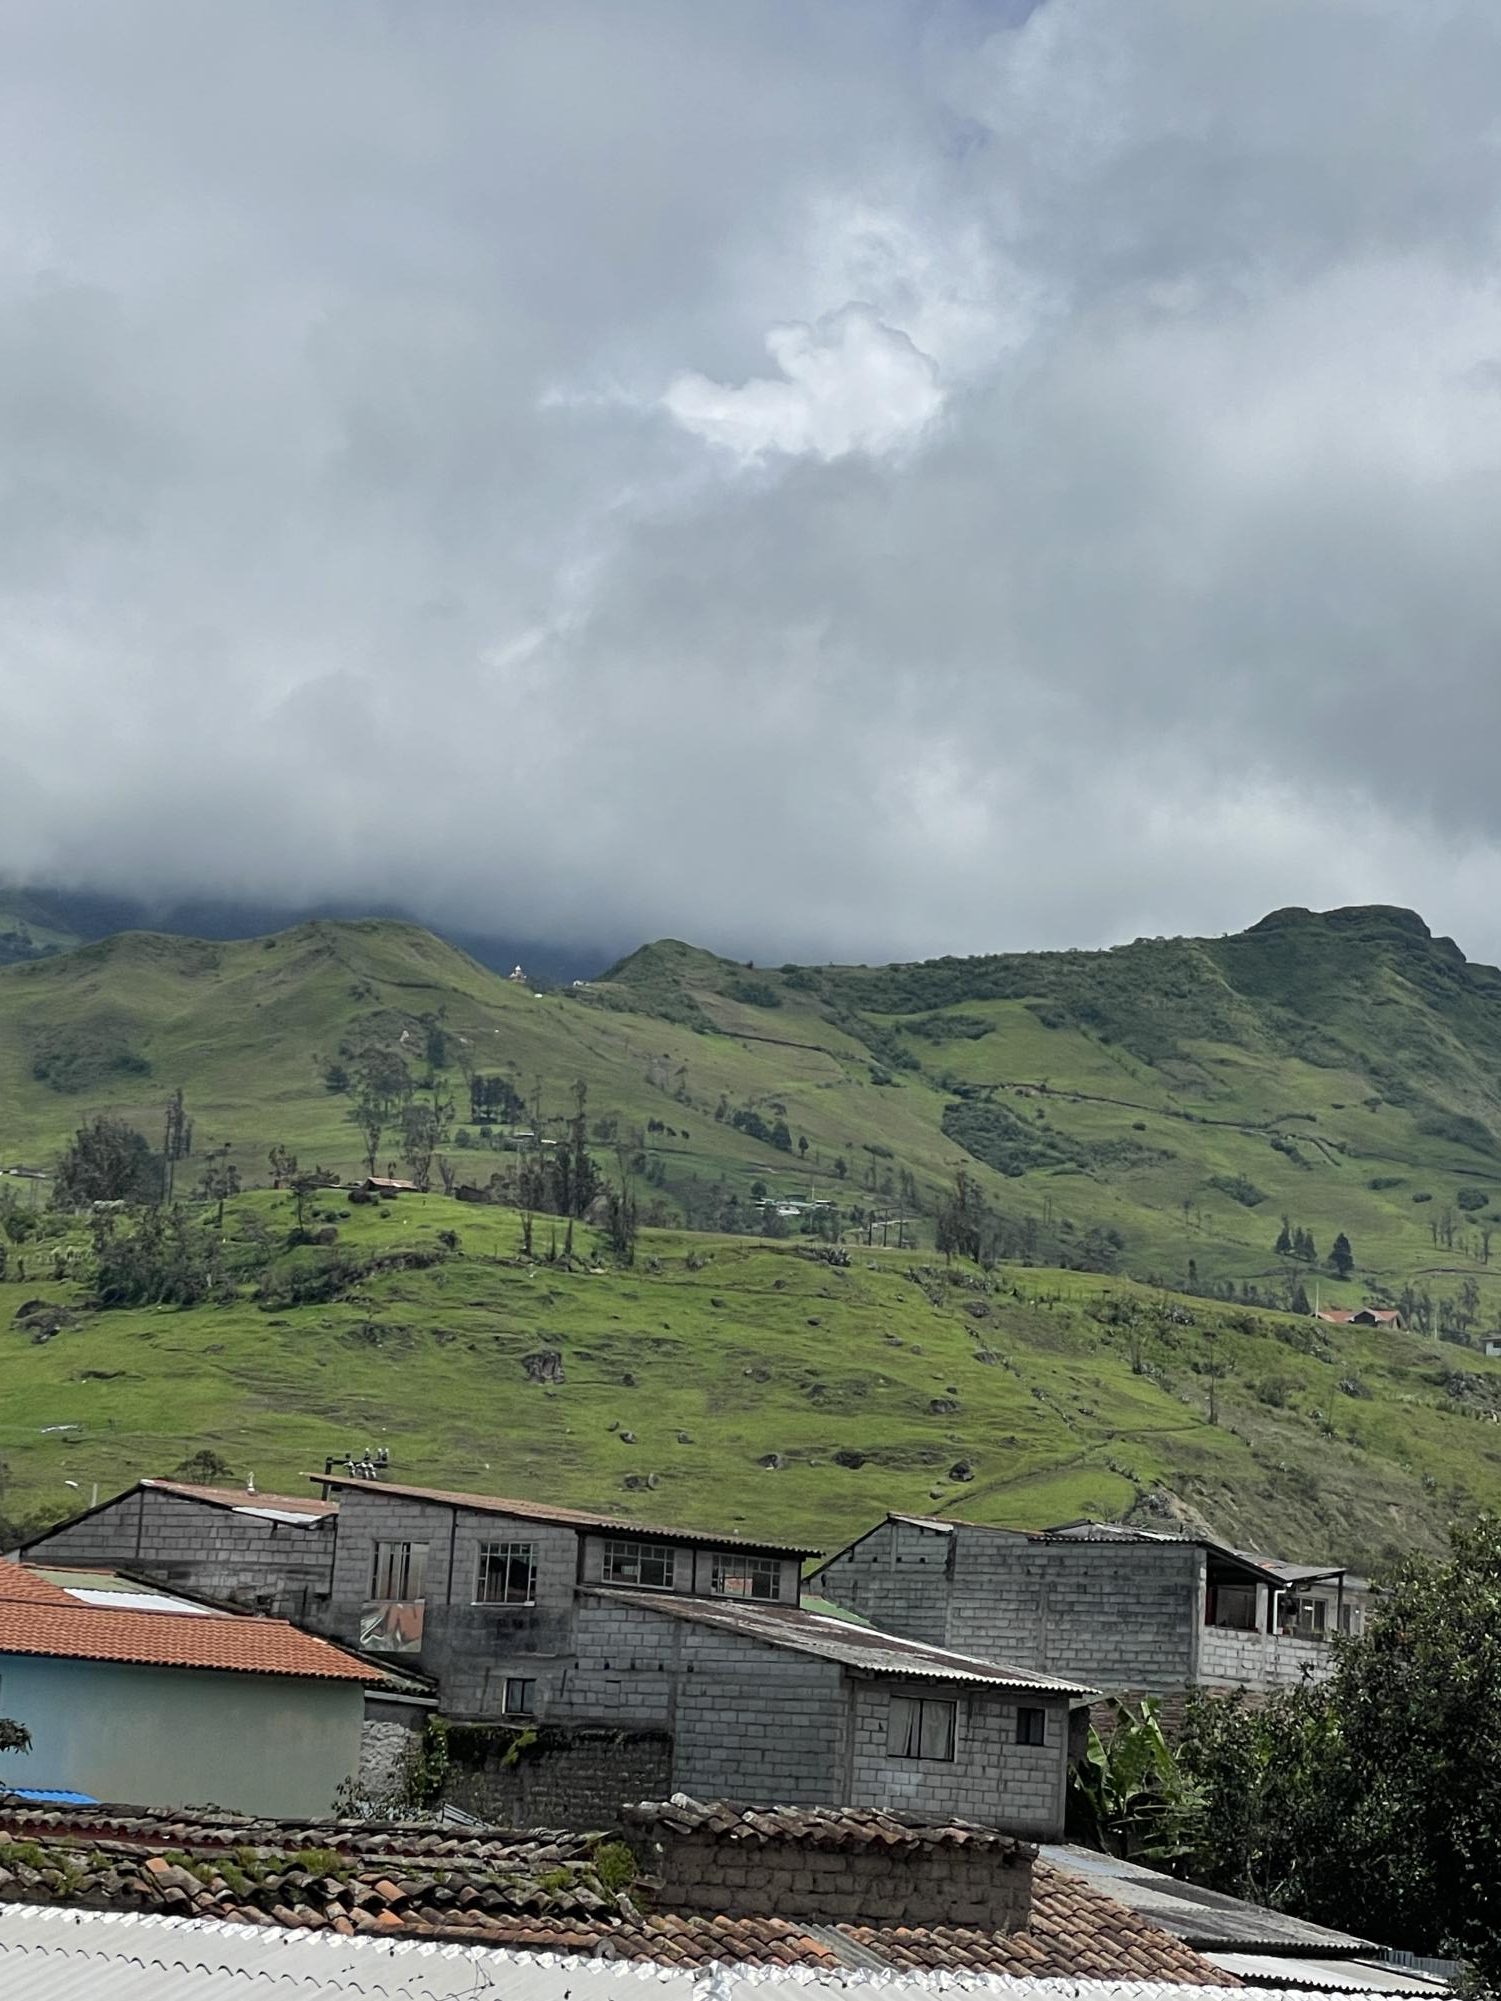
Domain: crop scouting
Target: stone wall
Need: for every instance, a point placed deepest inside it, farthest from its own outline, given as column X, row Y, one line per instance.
column 559, row 1777
column 279, row 1567
column 387, row 1737
column 940, row 1884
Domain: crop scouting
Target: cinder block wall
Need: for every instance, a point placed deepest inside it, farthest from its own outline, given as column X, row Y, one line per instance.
column 470, row 1648
column 1108, row 1615
column 266, row 1566
column 941, row 1883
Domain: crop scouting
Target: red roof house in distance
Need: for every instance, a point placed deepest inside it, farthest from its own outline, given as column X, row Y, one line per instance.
column 173, row 1706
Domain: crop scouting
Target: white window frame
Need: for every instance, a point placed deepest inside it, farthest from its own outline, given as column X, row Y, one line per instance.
column 624, row 1562
column 923, row 1728
column 491, row 1557
column 735, row 1576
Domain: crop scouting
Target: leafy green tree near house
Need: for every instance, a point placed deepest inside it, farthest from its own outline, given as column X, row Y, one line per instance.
column 1373, row 1801
column 107, row 1160
column 1341, row 1257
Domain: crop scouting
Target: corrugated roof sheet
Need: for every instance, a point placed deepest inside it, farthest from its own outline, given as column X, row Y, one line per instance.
column 539, row 1511
column 1324, row 1976
column 860, row 1647
column 1205, row 1919
column 296, row 1507
column 53, row 1955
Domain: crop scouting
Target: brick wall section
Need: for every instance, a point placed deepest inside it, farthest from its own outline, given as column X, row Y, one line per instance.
column 939, row 1885
column 267, row 1566
column 579, row 1781
column 1109, row 1615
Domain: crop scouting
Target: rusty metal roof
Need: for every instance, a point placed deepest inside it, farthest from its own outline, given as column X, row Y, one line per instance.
column 542, row 1511
column 860, row 1647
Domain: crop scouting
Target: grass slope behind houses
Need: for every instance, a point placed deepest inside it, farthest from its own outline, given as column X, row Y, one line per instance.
column 725, row 1381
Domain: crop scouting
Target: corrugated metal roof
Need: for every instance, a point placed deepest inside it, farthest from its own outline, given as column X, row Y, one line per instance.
column 57, row 1955
column 304, row 1510
column 1324, row 1976
column 860, row 1647
column 1206, row 1919
column 541, row 1511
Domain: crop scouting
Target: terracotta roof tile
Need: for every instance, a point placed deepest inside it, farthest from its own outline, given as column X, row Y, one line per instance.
column 70, row 1631
column 537, row 1891
column 19, row 1586
column 816, row 1826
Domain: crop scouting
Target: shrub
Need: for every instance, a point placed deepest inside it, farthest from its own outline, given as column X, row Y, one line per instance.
column 1471, row 1199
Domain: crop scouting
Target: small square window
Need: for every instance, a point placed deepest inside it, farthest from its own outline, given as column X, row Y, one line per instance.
column 520, row 1698
column 1031, row 1726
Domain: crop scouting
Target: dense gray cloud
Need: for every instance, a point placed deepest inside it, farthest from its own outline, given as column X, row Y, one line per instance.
column 867, row 479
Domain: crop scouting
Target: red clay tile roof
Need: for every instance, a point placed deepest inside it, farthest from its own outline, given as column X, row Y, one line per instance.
column 817, row 1826
column 540, row 1511
column 1075, row 1933
column 537, row 1891
column 24, row 1587
column 233, row 1645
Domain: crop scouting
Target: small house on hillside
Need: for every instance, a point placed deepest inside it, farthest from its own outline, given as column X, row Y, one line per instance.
column 387, row 1185
column 134, row 1695
column 1361, row 1316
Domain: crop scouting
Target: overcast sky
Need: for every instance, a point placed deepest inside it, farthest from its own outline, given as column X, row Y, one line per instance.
column 844, row 478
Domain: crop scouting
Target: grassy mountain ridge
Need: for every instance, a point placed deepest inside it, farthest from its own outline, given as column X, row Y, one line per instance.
column 1146, row 1115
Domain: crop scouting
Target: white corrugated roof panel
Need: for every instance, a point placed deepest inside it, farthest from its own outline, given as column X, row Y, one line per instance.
column 60, row 1955
column 1325, row 1976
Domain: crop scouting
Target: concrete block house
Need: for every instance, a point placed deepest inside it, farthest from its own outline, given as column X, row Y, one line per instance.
column 266, row 1552
column 581, row 1623
column 1121, row 1608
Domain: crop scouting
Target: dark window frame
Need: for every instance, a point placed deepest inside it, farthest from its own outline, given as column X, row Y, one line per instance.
column 623, row 1555
column 1031, row 1725
column 503, row 1555
column 931, row 1719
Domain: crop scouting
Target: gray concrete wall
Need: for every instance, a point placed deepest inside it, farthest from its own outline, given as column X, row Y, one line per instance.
column 243, row 1559
column 770, row 1726
column 897, row 1577
column 991, row 1779
column 180, row 1737
column 471, row 1649
column 1109, row 1615
column 1259, row 1661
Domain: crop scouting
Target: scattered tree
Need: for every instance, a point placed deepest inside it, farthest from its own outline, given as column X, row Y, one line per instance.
column 107, row 1161
column 1342, row 1258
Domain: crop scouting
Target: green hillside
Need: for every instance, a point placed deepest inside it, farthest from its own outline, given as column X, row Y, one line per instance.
column 1138, row 1121
column 759, row 1386
column 1156, row 1109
